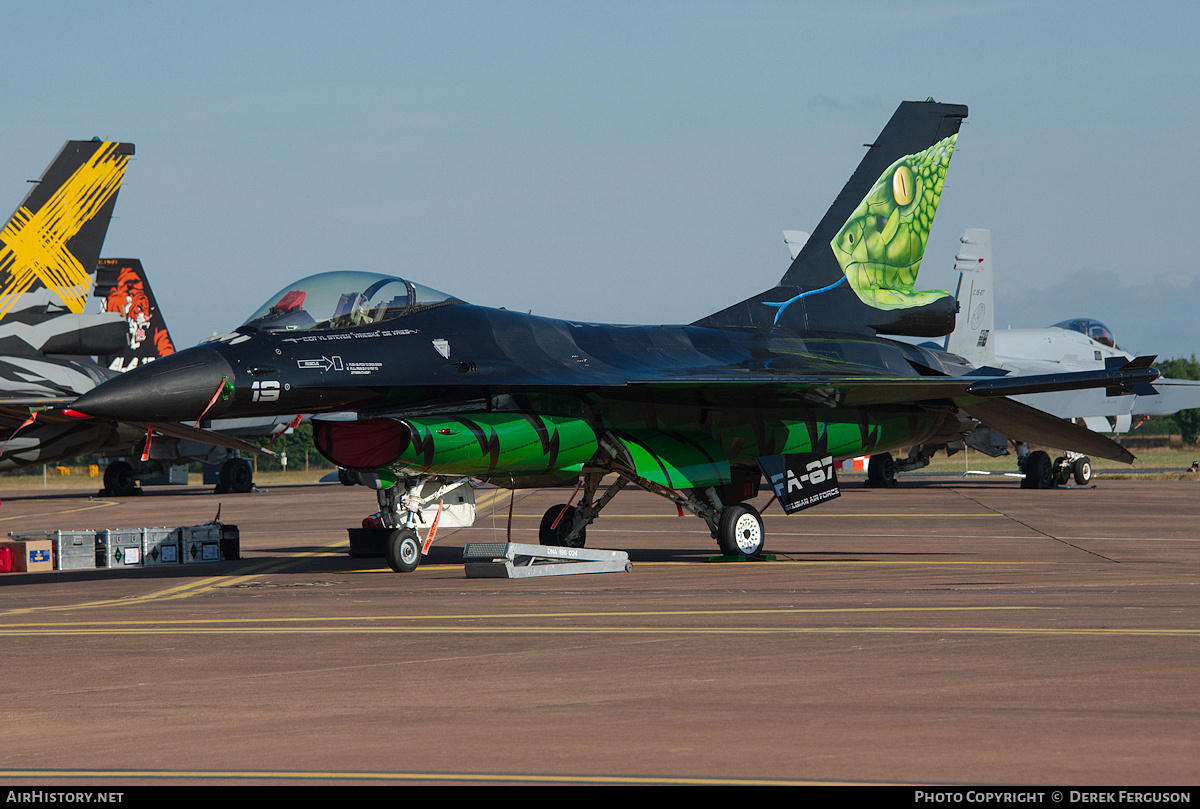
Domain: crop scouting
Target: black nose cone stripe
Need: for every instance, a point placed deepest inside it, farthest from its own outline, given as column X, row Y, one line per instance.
column 177, row 387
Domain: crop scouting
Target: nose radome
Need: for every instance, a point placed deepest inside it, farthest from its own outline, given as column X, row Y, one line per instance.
column 177, row 387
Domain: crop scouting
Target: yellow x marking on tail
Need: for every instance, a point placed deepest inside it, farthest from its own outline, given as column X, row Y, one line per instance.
column 35, row 243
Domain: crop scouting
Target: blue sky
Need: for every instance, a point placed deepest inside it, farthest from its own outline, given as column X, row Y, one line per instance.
column 618, row 162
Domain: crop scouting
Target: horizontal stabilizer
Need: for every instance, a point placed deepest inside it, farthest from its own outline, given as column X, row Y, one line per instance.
column 1123, row 379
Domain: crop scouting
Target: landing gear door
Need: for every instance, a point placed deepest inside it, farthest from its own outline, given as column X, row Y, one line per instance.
column 457, row 503
column 800, row 481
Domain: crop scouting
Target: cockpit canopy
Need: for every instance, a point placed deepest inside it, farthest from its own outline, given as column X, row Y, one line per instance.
column 341, row 300
column 1092, row 328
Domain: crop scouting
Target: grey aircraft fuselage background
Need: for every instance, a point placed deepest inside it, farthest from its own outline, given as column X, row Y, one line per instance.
column 1079, row 344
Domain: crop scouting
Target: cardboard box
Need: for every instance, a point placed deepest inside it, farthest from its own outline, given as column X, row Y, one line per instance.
column 31, row 555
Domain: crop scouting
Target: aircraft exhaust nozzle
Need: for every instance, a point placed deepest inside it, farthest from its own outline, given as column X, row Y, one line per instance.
column 177, row 387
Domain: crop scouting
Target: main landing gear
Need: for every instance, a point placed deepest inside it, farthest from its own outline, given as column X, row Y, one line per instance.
column 881, row 471
column 236, row 476
column 737, row 528
column 426, row 502
column 120, row 480
column 740, row 530
column 1042, row 473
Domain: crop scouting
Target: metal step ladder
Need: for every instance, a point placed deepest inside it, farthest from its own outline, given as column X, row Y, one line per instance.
column 510, row 560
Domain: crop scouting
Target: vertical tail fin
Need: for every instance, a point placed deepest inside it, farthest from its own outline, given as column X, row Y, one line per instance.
column 972, row 336
column 858, row 270
column 50, row 246
column 123, row 285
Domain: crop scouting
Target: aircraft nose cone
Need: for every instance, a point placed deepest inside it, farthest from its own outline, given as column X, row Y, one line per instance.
column 177, row 387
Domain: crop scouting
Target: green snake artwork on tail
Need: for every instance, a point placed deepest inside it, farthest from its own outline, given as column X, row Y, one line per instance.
column 880, row 247
column 882, row 243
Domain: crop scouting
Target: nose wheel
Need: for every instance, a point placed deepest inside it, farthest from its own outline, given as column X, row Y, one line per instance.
column 403, row 550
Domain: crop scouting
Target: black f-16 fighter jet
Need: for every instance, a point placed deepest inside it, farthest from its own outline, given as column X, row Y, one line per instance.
column 429, row 391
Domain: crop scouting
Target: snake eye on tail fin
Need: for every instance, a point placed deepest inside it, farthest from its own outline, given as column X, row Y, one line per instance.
column 858, row 270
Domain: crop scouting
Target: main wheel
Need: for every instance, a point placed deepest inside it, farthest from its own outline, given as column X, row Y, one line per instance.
column 403, row 550
column 740, row 531
column 1083, row 470
column 556, row 535
column 1062, row 471
column 345, row 477
column 237, row 475
column 1039, row 471
column 119, row 479
column 881, row 471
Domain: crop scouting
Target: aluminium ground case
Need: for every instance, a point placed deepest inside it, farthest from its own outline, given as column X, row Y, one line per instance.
column 72, row 550
column 119, row 547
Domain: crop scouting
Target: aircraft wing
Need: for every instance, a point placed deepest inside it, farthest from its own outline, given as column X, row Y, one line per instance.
column 852, row 390
column 1024, row 423
column 175, row 429
column 987, row 405
column 1171, row 396
column 14, row 412
column 1083, row 403
column 983, row 397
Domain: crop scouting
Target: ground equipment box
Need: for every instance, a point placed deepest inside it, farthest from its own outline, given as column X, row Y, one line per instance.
column 74, row 550
column 231, row 542
column 70, row 550
column 160, row 546
column 368, row 541
column 119, row 547
column 200, row 543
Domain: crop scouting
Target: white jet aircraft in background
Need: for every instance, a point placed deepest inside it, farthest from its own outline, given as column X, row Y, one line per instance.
column 1078, row 344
